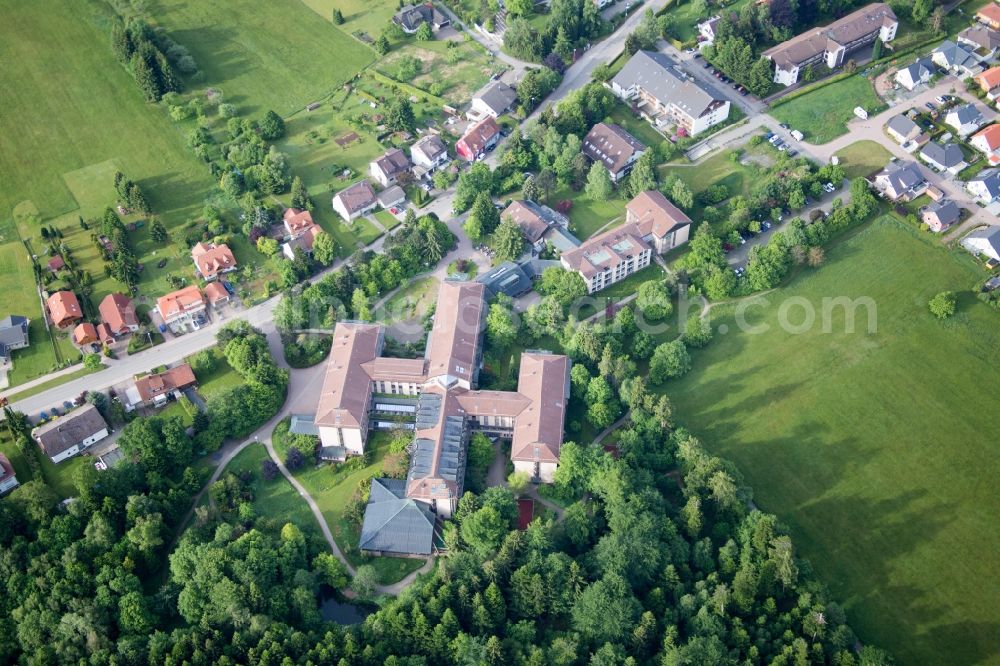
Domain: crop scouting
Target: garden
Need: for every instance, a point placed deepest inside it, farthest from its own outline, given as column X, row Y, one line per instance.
column 822, row 114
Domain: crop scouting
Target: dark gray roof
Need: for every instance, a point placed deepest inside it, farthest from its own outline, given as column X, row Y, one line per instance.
column 903, row 176
column 989, row 234
column 991, row 181
column 661, row 77
column 903, row 125
column 13, row 333
column 411, row 16
column 67, row 431
column 967, row 113
column 394, row 524
column 498, row 96
column 956, row 55
column 981, row 36
column 948, row 155
column 947, row 211
column 919, row 68
column 451, row 458
column 507, row 278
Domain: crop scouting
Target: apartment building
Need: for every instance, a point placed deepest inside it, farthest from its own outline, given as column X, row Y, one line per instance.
column 829, row 45
column 667, row 95
column 613, row 147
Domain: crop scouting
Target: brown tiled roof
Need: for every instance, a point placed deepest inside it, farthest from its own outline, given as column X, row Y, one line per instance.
column 85, row 333
column 104, row 333
column 453, row 346
column 393, row 162
column 346, row 385
column 211, row 259
column 538, row 430
column 611, row 145
column 67, row 431
column 477, row 136
column 357, row 197
column 215, row 292
column 179, row 301
column 492, row 403
column 655, row 214
column 525, row 214
column 118, row 312
column 6, row 469
column 297, row 221
column 843, row 31
column 176, row 378
column 396, row 369
column 63, row 307
column 606, row 250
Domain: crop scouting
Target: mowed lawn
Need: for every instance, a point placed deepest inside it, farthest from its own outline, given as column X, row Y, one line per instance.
column 879, row 450
column 275, row 55
column 63, row 113
column 275, row 499
column 822, row 115
column 861, row 158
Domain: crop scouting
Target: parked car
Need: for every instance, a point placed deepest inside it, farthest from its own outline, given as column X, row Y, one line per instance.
column 784, row 126
column 741, row 90
column 930, row 106
column 769, row 135
column 940, row 100
column 765, row 225
column 783, row 147
column 793, row 153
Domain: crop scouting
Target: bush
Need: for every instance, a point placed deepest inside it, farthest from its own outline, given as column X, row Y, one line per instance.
column 942, row 306
column 268, row 469
column 307, row 350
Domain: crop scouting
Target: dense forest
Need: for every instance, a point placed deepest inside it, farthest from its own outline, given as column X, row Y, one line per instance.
column 658, row 557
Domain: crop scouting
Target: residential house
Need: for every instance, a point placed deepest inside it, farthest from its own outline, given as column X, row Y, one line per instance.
column 155, row 389
column 493, row 100
column 957, row 59
column 118, row 313
column 56, row 264
column 916, row 73
column 296, row 222
column 902, row 129
column 538, row 223
column 830, row 45
column 360, row 385
column 64, row 309
column 13, row 335
column 613, row 147
column 395, row 524
column 989, row 83
column 65, row 436
column 984, row 242
column 964, row 119
column 85, row 334
column 987, row 141
column 410, row 17
column 660, row 223
column 393, row 196
column 900, row 181
column 985, row 186
column 609, row 257
column 985, row 40
column 303, row 243
column 940, row 215
column 8, row 478
column 387, row 168
column 217, row 295
column 947, row 157
column 667, row 95
column 429, row 153
column 706, row 30
column 478, row 139
column 182, row 308
column 989, row 14
column 211, row 260
column 357, row 200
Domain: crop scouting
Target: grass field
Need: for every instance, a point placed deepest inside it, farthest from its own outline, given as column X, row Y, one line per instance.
column 264, row 55
column 453, row 73
column 220, row 379
column 636, row 126
column 275, row 499
column 685, row 19
column 879, row 450
column 413, row 300
column 822, row 115
column 332, row 488
column 387, row 219
column 719, row 169
column 368, row 16
column 862, row 158
column 587, row 215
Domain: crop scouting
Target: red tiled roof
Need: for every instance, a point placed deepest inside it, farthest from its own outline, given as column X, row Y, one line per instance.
column 118, row 312
column 64, row 308
column 176, row 378
column 297, row 220
column 991, row 136
column 178, row 301
column 212, row 259
column 85, row 333
column 989, row 79
column 215, row 292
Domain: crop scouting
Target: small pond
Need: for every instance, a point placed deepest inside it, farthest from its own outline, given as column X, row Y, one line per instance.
column 334, row 608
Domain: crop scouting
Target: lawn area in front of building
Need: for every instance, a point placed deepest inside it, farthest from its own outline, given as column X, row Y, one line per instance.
column 861, row 158
column 412, row 300
column 878, row 449
column 332, row 487
column 221, row 378
column 822, row 114
column 719, row 169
